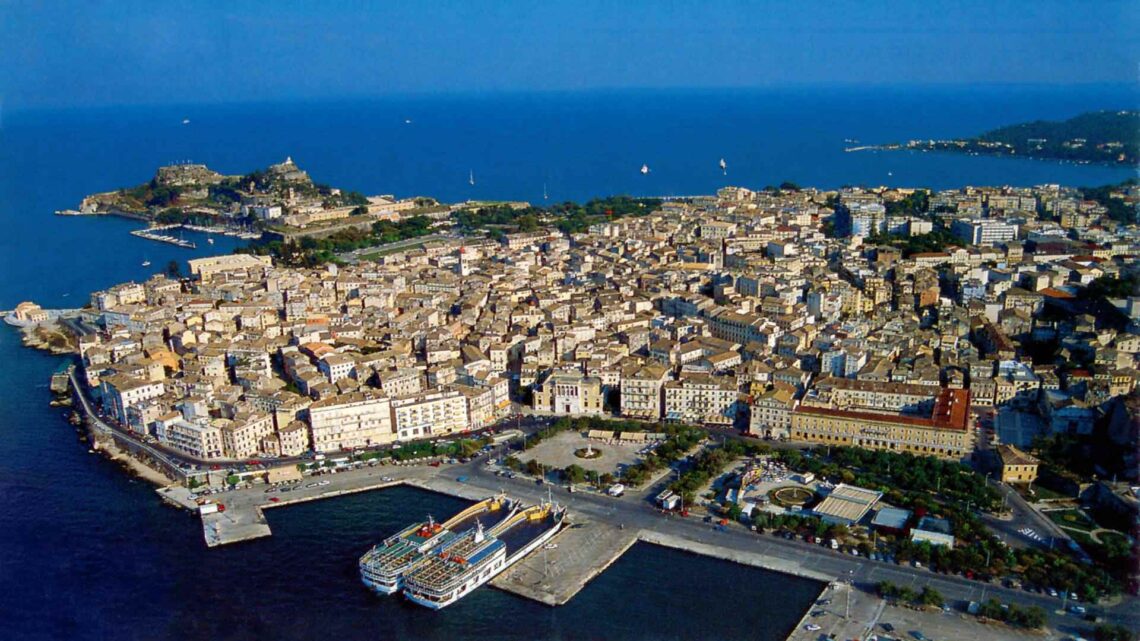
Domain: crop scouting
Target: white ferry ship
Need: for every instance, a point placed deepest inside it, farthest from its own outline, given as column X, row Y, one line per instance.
column 452, row 572
column 384, row 567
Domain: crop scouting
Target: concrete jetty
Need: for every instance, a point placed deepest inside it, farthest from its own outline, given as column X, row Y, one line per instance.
column 553, row 576
column 755, row 559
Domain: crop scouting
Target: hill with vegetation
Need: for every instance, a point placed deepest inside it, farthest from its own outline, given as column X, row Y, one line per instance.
column 1101, row 136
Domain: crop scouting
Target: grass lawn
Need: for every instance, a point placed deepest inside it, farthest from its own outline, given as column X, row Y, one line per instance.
column 1041, row 493
column 1072, row 520
column 389, row 250
column 1081, row 537
column 1107, row 537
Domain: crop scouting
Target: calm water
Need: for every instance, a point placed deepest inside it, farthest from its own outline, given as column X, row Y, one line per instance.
column 87, row 553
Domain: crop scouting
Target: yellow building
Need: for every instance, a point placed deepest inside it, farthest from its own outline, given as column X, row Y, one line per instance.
column 569, row 393
column 1016, row 466
column 946, row 433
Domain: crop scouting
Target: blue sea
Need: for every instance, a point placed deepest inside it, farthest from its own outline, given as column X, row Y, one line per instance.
column 89, row 554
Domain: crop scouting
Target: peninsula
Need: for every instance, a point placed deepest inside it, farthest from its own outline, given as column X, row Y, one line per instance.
column 1111, row 137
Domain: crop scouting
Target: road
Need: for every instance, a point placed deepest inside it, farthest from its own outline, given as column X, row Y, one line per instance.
column 1023, row 516
column 354, row 255
column 636, row 510
column 107, row 428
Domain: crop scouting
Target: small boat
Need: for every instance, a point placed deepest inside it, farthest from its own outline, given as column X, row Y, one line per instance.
column 185, row 121
column 407, row 121
column 471, row 177
column 210, row 240
column 724, row 166
column 146, row 263
column 544, row 195
column 644, row 169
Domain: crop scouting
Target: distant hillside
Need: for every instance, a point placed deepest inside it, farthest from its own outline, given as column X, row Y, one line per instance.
column 1101, row 136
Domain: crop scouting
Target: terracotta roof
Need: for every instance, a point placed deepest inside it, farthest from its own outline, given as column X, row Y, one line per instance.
column 951, row 412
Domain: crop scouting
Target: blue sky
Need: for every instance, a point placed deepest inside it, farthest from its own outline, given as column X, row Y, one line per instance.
column 71, row 54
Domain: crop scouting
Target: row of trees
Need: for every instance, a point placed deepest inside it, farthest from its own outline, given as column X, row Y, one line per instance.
column 951, row 490
column 801, row 524
column 949, row 481
column 928, row 596
column 937, row 240
column 569, row 217
column 311, row 251
column 1030, row 617
column 678, row 441
column 710, row 463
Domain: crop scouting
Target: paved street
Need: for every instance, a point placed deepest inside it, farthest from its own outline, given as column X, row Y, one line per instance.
column 635, row 510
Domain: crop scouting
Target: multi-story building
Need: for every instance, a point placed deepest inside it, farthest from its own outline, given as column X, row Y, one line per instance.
column 121, row 391
column 336, row 366
column 1016, row 466
column 293, row 439
column 771, row 413
column 402, row 382
column 199, row 440
column 845, row 393
column 436, row 413
column 241, row 437
column 983, row 231
column 946, row 433
column 698, row 398
column 569, row 393
column 641, row 391
column 357, row 419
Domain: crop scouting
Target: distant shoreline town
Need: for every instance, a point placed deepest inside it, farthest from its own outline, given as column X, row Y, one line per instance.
column 1103, row 137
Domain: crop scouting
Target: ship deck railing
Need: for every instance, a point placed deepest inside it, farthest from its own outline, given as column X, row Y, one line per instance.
column 437, row 573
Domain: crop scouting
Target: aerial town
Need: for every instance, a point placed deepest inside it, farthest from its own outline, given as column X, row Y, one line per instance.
column 993, row 327
column 776, row 313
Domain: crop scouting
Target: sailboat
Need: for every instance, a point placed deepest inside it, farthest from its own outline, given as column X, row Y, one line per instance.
column 471, row 178
column 544, row 196
column 644, row 169
column 724, row 166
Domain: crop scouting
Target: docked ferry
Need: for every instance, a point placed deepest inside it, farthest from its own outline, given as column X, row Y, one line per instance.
column 452, row 572
column 384, row 567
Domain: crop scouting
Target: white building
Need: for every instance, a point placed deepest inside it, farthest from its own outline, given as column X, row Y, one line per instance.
column 120, row 392
column 430, row 414
column 701, row 399
column 358, row 419
column 194, row 439
column 983, row 231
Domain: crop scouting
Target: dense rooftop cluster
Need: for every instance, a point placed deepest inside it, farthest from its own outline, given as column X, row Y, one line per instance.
column 767, row 310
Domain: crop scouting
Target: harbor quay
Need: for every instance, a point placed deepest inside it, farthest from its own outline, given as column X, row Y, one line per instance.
column 601, row 528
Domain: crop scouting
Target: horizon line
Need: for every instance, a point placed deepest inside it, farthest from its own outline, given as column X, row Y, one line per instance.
column 6, row 106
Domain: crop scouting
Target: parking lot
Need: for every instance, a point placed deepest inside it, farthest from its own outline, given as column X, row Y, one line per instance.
column 904, row 623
